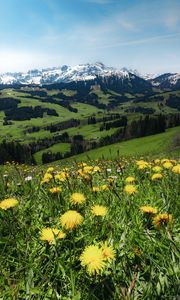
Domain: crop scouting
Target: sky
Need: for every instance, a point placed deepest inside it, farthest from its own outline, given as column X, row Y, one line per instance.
column 136, row 34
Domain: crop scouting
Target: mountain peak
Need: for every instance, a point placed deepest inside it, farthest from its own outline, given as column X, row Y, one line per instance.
column 84, row 72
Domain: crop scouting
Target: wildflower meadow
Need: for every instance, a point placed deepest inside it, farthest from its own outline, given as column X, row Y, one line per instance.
column 94, row 230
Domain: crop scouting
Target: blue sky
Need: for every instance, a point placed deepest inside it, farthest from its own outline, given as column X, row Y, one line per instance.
column 140, row 34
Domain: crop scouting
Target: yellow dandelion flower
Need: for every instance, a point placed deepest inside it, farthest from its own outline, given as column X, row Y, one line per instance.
column 130, row 179
column 168, row 165
column 96, row 169
column 141, row 162
column 164, row 160
column 108, row 252
column 104, row 187
column 61, row 235
column 80, row 172
column 96, row 189
column 99, row 210
column 176, row 169
column 88, row 169
column 50, row 169
column 156, row 176
column 148, row 209
column 156, row 169
column 78, row 198
column 92, row 258
column 143, row 166
column 83, row 164
column 157, row 161
column 86, row 177
column 8, row 203
column 62, row 176
column 130, row 189
column 55, row 190
column 71, row 219
column 47, row 176
column 58, row 233
column 162, row 219
column 48, row 234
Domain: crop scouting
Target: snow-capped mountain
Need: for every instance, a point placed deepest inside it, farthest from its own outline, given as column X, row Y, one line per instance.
column 63, row 74
column 149, row 76
column 59, row 74
column 167, row 81
column 86, row 72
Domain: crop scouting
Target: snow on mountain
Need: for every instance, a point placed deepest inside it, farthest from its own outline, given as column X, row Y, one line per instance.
column 76, row 73
column 62, row 74
column 149, row 76
column 174, row 78
column 167, row 80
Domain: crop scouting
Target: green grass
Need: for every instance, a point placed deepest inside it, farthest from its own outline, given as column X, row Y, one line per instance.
column 85, row 110
column 61, row 147
column 90, row 132
column 143, row 259
column 17, row 131
column 153, row 145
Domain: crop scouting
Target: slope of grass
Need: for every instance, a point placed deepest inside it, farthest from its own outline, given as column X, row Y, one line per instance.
column 60, row 147
column 154, row 144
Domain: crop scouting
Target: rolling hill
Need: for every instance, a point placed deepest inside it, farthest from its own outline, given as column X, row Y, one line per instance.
column 82, row 108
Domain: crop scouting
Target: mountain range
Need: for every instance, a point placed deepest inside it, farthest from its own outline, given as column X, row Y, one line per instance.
column 90, row 72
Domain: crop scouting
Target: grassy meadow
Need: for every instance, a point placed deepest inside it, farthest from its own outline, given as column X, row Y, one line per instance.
column 104, row 229
column 153, row 145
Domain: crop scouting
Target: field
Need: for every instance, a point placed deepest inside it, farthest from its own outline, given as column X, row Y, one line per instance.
column 103, row 230
column 159, row 144
column 33, row 130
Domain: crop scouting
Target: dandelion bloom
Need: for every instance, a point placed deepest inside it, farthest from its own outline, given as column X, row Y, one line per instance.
column 142, row 164
column 108, row 252
column 50, row 169
column 47, row 177
column 49, row 234
column 96, row 189
column 130, row 189
column 156, row 169
column 156, row 176
column 104, row 187
column 71, row 219
column 99, row 210
column 88, row 169
column 92, row 258
column 148, row 209
column 62, row 176
column 168, row 165
column 8, row 203
column 162, row 219
column 96, row 169
column 77, row 198
column 176, row 169
column 130, row 179
column 55, row 190
column 164, row 160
